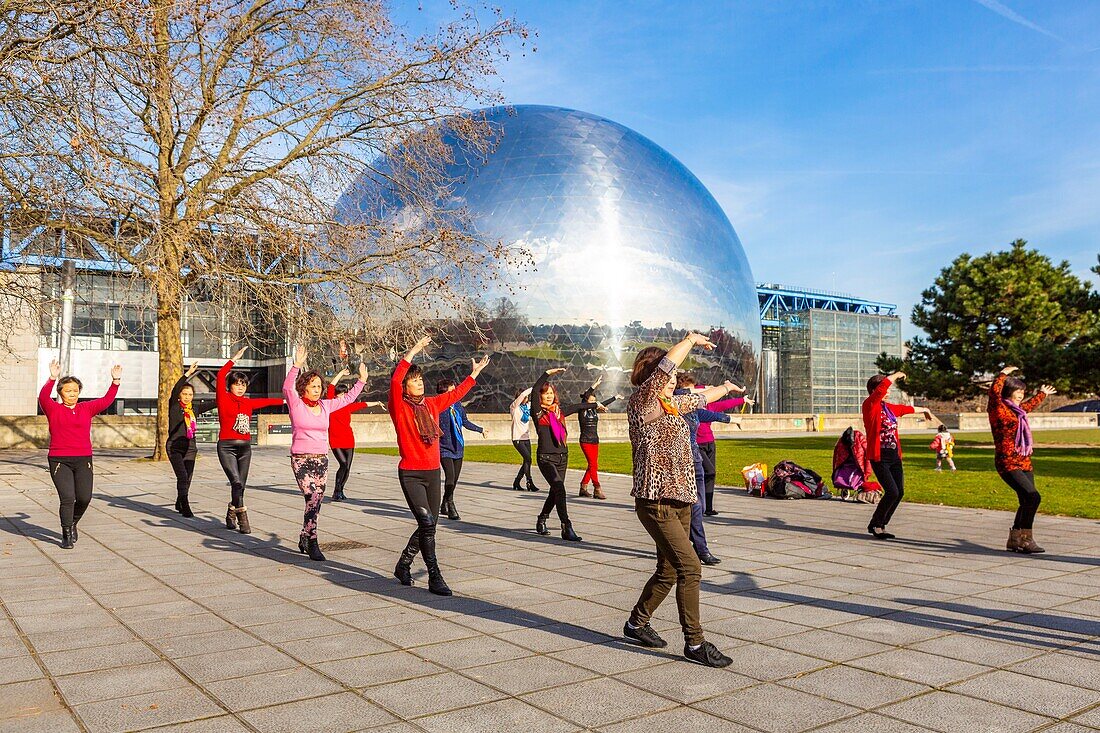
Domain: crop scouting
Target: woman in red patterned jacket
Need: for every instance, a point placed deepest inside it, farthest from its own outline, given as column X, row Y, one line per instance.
column 1012, row 441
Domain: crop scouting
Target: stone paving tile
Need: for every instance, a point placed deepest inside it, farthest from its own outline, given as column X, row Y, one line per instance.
column 597, row 702
column 776, row 709
column 1036, row 695
column 949, row 713
column 871, row 723
column 533, row 617
column 56, row 721
column 20, row 669
column 340, row 713
column 108, row 684
column 21, row 699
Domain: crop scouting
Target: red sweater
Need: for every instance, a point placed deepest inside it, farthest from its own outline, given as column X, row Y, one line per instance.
column 415, row 456
column 230, row 407
column 71, row 427
column 340, row 434
column 872, row 419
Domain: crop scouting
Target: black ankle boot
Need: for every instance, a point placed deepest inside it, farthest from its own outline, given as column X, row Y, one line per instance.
column 540, row 525
column 567, row 533
column 66, row 538
column 303, row 544
column 437, row 585
column 184, row 507
column 403, row 571
column 76, row 536
column 532, row 487
column 315, row 550
column 338, row 495
column 452, row 512
column 231, row 517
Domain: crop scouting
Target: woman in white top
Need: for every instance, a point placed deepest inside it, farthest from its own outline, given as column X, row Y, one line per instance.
column 521, row 437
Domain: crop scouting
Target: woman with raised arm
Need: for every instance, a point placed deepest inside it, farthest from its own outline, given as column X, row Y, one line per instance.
column 70, row 453
column 309, row 423
column 880, row 423
column 1013, row 447
column 520, row 410
column 708, row 449
column 552, row 455
column 341, row 438
column 235, row 437
column 452, row 446
column 180, row 445
column 589, row 439
column 416, row 421
column 664, row 492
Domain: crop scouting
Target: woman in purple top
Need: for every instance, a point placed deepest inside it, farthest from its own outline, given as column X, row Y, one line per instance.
column 309, row 420
column 70, row 454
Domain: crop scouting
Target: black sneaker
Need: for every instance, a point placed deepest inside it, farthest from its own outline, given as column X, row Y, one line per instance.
column 707, row 655
column 644, row 635
column 709, row 559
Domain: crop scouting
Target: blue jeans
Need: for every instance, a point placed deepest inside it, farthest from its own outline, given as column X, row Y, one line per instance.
column 698, row 535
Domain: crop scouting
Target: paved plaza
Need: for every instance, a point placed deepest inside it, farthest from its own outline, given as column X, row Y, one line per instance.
column 157, row 622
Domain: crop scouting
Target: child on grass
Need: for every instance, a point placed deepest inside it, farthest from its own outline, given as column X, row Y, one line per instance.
column 944, row 446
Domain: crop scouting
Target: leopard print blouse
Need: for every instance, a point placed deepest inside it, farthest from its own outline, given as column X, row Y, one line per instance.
column 660, row 442
column 1003, row 423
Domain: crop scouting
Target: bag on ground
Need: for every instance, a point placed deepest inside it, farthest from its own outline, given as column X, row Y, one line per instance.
column 791, row 481
column 755, row 476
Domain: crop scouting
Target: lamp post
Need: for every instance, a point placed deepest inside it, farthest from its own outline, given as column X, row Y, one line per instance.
column 68, row 296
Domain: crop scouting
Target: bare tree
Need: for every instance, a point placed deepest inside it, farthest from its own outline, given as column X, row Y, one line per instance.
column 219, row 133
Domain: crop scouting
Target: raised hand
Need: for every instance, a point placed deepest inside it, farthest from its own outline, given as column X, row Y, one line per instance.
column 116, row 372
column 1010, row 369
column 339, row 375
column 362, row 372
column 55, row 369
column 734, row 388
column 601, row 408
column 750, row 401
column 191, row 370
column 477, row 365
column 1048, row 390
column 896, row 376
column 619, row 397
column 378, row 404
column 239, row 354
column 698, row 339
column 300, row 356
column 599, row 379
column 556, row 370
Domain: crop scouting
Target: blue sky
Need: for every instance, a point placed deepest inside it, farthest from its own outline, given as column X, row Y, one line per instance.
column 857, row 145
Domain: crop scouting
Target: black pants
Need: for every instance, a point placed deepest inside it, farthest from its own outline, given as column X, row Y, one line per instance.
column 344, row 457
column 1023, row 483
column 72, row 477
column 421, row 489
column 182, row 457
column 452, row 468
column 523, row 447
column 552, row 467
column 235, row 457
column 709, row 453
column 892, row 478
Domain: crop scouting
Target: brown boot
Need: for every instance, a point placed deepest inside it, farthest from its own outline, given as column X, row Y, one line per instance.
column 1013, row 544
column 231, row 517
column 584, row 491
column 597, row 492
column 1027, row 543
column 242, row 519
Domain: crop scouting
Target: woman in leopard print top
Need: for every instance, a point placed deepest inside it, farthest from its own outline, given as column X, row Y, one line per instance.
column 664, row 492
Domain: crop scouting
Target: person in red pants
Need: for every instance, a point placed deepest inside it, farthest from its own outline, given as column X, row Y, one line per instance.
column 589, row 420
column 341, row 438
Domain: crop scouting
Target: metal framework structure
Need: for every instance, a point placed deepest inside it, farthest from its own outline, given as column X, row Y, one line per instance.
column 775, row 300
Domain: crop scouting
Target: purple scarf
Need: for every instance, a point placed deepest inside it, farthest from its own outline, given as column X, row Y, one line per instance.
column 890, row 416
column 1023, row 444
column 557, row 428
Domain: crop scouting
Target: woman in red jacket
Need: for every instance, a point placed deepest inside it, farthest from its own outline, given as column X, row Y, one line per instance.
column 70, row 454
column 1013, row 445
column 341, row 438
column 235, row 437
column 416, row 421
column 880, row 423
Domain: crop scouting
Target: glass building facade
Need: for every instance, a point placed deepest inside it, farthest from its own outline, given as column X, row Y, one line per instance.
column 629, row 250
column 826, row 357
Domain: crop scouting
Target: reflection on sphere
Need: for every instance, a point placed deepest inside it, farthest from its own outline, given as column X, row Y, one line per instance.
column 629, row 250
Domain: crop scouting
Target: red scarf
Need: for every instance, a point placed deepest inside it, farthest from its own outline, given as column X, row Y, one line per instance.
column 426, row 425
column 309, row 402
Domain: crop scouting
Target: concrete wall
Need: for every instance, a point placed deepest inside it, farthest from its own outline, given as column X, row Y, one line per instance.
column 129, row 431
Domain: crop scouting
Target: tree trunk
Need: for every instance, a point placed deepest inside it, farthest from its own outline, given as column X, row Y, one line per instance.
column 169, row 361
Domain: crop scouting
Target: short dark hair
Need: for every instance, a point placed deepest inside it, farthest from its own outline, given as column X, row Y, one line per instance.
column 684, row 380
column 941, row 429
column 1012, row 384
column 645, row 363
column 874, row 382
column 237, row 377
column 68, row 380
column 303, row 381
column 413, row 373
column 342, row 388
column 443, row 385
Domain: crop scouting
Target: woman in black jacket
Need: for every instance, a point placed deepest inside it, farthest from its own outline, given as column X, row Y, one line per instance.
column 180, row 446
column 552, row 455
column 589, row 420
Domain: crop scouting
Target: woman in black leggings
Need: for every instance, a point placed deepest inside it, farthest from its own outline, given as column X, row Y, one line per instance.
column 70, row 454
column 416, row 421
column 520, row 411
column 552, row 455
column 341, row 437
column 180, row 445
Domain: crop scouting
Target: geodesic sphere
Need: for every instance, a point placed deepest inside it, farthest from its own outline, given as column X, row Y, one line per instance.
column 629, row 250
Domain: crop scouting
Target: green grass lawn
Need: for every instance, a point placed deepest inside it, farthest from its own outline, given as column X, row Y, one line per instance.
column 1068, row 478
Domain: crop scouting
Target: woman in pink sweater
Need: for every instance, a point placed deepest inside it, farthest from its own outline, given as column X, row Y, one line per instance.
column 708, row 449
column 309, row 421
column 70, row 454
